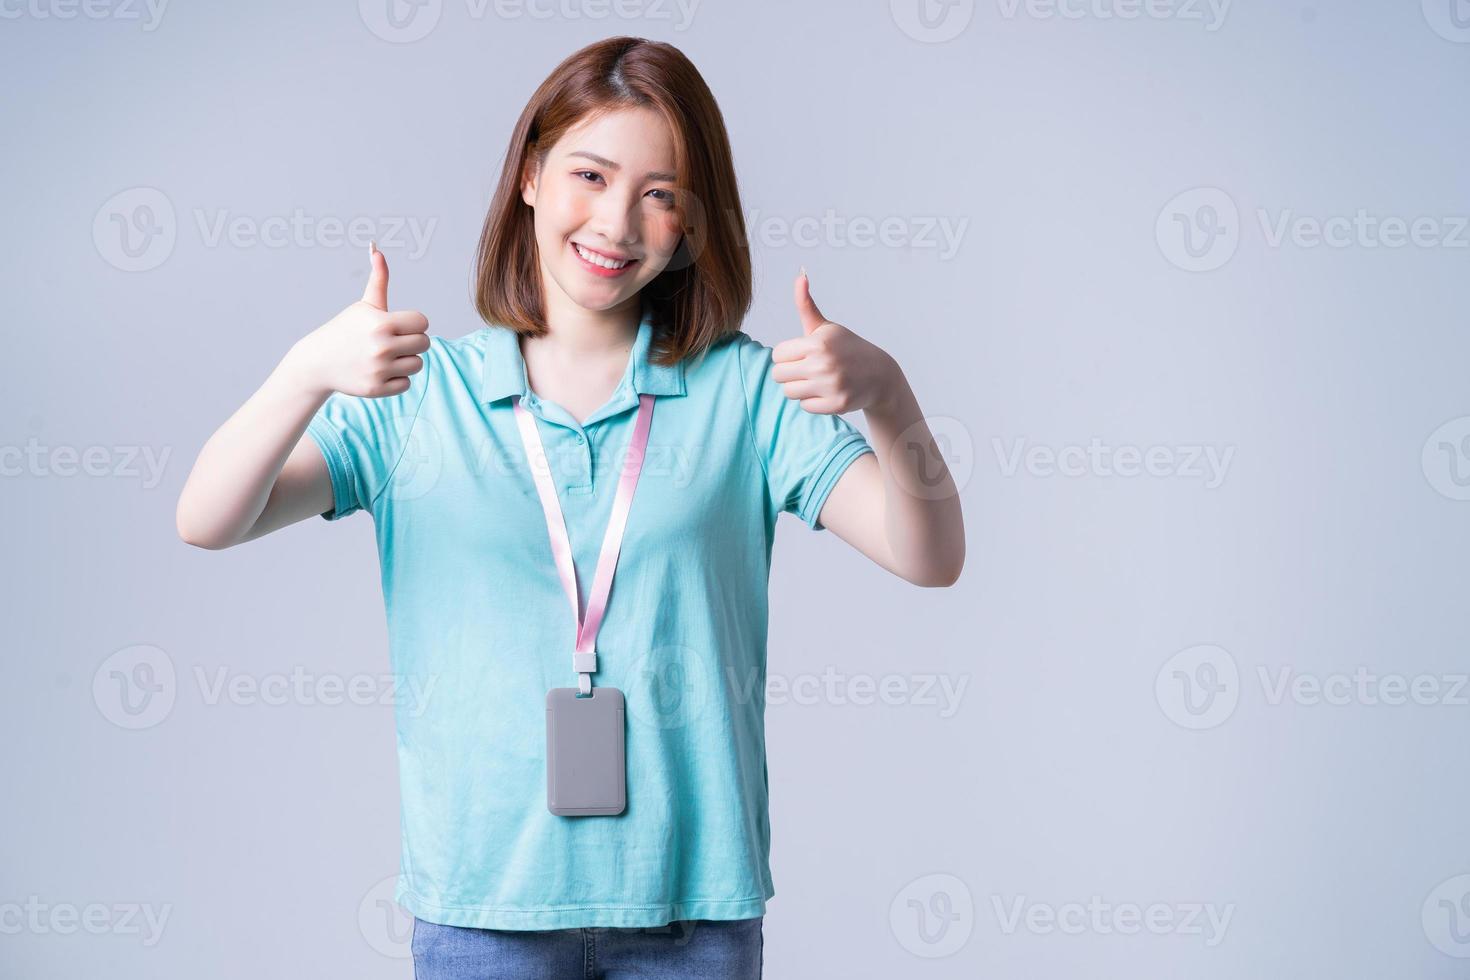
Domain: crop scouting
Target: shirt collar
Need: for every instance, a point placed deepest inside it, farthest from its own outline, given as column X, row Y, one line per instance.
column 505, row 369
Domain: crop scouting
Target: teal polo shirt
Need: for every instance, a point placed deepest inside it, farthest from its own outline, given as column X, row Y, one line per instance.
column 479, row 626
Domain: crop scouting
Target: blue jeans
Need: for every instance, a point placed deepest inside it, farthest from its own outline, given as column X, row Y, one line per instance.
column 710, row 949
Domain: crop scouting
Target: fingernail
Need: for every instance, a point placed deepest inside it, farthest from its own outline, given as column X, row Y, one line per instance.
column 803, row 272
column 372, row 246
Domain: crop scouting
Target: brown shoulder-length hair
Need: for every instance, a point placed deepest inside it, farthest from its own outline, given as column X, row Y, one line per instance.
column 704, row 293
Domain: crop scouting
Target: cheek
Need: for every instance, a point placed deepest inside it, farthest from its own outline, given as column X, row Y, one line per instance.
column 558, row 214
column 662, row 232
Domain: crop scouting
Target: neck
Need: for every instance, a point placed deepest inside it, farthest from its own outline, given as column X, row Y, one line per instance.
column 576, row 332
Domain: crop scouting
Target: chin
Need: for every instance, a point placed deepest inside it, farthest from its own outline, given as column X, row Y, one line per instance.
column 596, row 294
column 598, row 300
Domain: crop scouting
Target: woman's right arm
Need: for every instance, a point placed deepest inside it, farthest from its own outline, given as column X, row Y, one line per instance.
column 259, row 472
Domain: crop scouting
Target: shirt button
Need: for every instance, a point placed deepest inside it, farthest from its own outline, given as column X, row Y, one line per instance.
column 579, row 437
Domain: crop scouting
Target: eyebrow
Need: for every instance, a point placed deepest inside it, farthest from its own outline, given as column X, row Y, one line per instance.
column 605, row 162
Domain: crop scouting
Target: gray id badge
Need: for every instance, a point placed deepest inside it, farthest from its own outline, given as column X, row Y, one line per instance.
column 585, row 771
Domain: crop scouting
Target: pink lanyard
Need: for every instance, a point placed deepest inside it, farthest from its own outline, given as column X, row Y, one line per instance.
column 584, row 659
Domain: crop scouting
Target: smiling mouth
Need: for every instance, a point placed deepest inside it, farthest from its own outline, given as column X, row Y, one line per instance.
column 600, row 261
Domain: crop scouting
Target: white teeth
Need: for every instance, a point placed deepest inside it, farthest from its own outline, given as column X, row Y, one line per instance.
column 598, row 259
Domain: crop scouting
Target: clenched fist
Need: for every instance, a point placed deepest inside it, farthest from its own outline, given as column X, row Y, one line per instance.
column 365, row 350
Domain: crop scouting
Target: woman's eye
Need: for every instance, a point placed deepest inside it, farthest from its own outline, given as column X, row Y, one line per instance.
column 667, row 198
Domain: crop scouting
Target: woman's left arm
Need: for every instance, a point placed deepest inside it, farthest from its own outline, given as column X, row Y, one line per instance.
column 898, row 505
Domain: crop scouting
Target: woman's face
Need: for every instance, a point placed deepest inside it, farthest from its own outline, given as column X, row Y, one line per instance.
column 607, row 186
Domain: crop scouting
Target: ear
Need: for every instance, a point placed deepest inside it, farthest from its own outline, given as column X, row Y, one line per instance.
column 530, row 178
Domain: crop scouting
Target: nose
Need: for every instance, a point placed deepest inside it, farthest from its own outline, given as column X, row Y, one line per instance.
column 616, row 218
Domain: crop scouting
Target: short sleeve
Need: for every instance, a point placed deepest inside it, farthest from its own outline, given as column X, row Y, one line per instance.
column 362, row 439
column 802, row 453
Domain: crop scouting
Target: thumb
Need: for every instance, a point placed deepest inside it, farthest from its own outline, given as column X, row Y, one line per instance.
column 811, row 317
column 376, row 293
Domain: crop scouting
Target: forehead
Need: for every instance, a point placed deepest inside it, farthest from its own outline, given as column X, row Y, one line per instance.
column 636, row 138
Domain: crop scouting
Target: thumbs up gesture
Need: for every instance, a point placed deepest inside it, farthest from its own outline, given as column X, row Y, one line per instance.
column 365, row 350
column 829, row 369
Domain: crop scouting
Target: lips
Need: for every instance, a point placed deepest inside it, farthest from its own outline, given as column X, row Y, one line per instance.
column 599, row 270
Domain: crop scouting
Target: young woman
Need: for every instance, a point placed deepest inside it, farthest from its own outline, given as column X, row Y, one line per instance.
column 623, row 830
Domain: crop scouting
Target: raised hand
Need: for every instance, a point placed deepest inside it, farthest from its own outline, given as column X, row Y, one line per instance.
column 830, row 369
column 366, row 350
